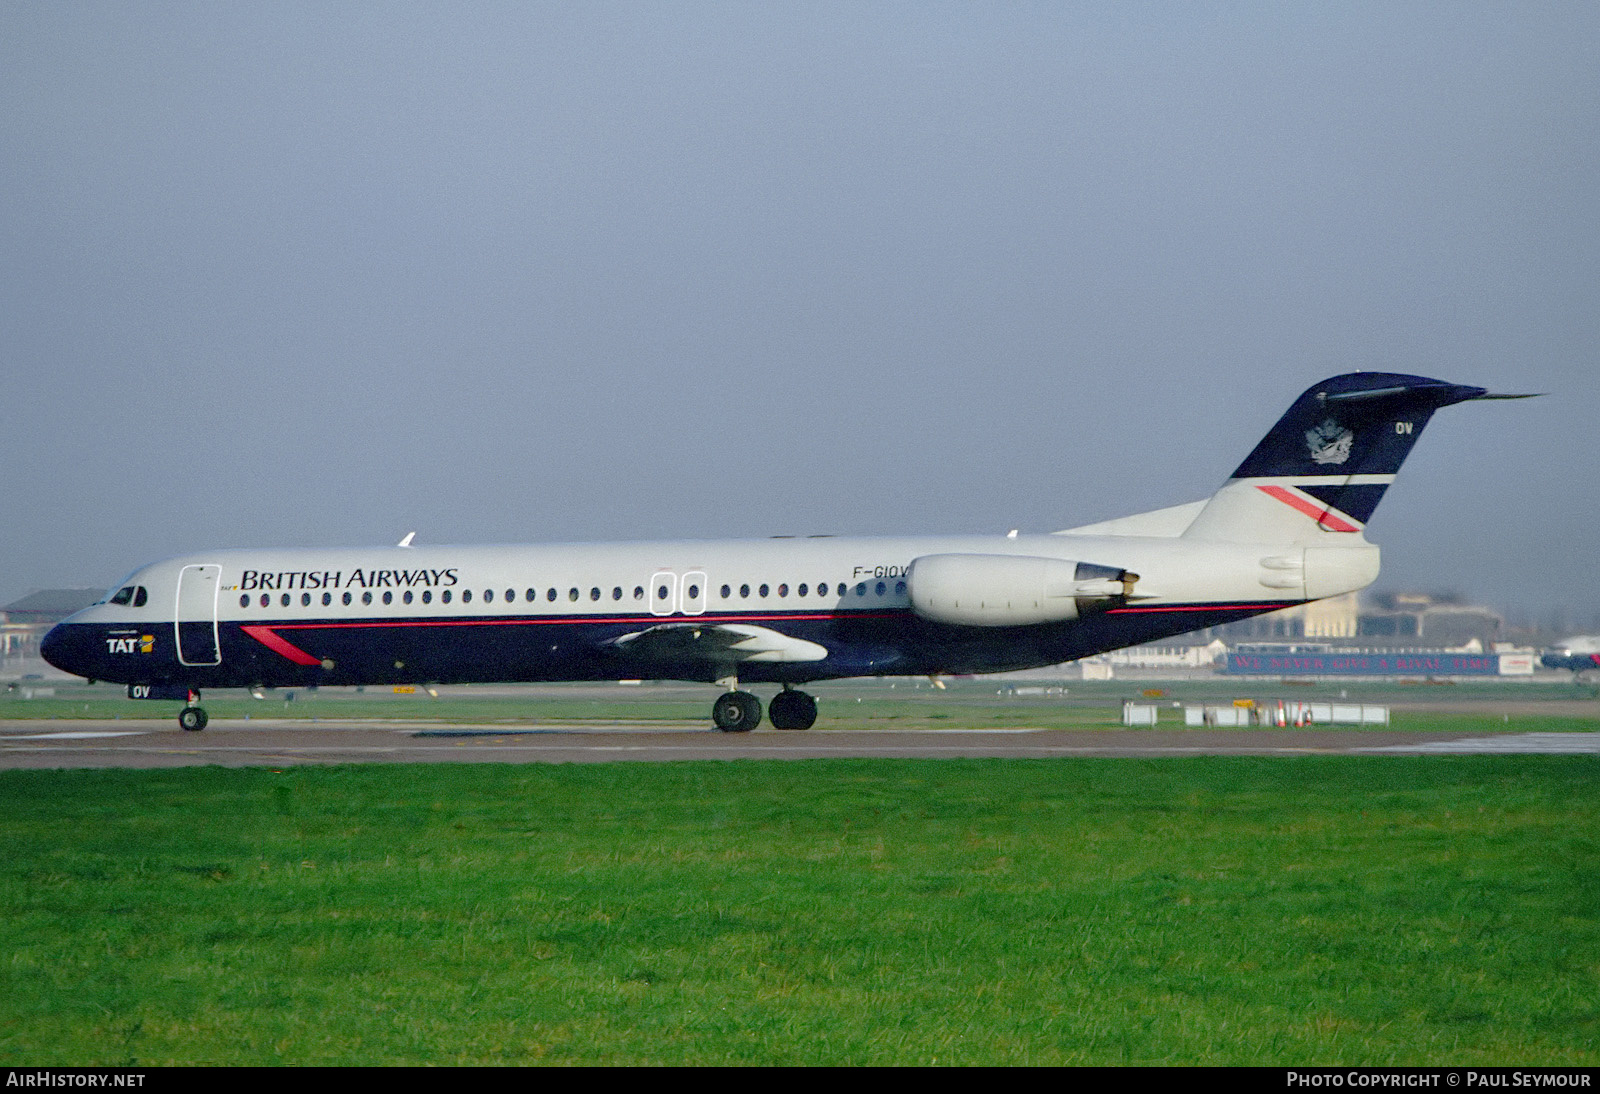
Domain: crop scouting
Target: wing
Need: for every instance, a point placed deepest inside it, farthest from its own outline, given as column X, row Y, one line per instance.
column 715, row 643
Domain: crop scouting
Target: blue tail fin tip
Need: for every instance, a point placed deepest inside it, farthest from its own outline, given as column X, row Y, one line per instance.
column 1360, row 423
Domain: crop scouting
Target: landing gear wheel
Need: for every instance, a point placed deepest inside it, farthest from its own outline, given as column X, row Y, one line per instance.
column 736, row 712
column 193, row 719
column 792, row 710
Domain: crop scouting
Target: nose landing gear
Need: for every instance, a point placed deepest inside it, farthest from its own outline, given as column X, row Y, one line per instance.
column 193, row 716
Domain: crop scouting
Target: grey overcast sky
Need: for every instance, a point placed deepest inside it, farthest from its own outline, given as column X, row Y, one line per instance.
column 307, row 274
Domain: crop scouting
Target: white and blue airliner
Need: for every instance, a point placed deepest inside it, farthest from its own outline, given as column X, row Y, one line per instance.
column 1286, row 528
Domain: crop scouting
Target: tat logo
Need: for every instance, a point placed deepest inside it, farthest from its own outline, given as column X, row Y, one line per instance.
column 145, row 643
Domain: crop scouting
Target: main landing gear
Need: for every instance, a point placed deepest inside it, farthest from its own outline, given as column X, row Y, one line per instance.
column 736, row 712
column 740, row 712
column 792, row 710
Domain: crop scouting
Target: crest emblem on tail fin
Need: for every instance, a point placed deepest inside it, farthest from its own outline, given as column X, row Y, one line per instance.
column 1329, row 442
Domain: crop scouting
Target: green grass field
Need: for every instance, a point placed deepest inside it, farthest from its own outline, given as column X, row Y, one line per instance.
column 1317, row 910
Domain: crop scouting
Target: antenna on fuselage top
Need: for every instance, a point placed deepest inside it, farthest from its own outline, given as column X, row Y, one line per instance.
column 407, row 541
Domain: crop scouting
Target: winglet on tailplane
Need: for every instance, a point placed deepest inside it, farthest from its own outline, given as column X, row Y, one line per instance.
column 1317, row 475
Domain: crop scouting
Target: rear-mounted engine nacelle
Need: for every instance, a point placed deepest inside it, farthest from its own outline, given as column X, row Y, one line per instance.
column 1011, row 590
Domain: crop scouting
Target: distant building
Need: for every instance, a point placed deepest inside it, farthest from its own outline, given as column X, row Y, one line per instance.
column 1170, row 658
column 1417, row 618
column 23, row 622
column 50, row 605
column 1389, row 619
column 1167, row 656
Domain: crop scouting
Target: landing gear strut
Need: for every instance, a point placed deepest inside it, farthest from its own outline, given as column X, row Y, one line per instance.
column 736, row 712
column 792, row 710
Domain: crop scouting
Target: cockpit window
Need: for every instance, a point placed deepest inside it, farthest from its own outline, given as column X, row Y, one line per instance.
column 129, row 596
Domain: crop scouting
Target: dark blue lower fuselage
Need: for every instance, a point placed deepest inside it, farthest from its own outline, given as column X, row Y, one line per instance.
column 484, row 649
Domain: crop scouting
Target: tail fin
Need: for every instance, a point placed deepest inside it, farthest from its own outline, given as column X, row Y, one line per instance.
column 1317, row 476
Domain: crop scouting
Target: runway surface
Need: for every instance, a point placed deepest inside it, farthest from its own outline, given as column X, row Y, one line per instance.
column 258, row 742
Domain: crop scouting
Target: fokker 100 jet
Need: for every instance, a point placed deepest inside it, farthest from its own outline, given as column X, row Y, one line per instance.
column 1286, row 528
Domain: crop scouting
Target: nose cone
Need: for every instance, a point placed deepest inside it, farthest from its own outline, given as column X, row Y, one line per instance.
column 60, row 649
